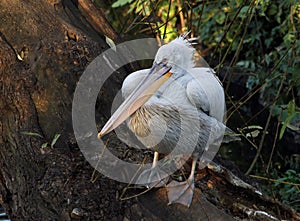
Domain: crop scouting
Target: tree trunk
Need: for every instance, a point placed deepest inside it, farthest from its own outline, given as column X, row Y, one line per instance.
column 44, row 48
column 55, row 43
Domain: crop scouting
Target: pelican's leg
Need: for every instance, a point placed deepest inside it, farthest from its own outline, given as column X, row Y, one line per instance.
column 182, row 192
column 155, row 159
column 153, row 177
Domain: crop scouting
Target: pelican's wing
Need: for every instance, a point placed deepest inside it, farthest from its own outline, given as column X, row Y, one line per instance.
column 205, row 92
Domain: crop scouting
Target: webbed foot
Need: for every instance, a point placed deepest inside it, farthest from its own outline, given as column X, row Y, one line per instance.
column 181, row 192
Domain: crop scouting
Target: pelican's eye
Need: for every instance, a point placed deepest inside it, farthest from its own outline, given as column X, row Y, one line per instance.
column 164, row 61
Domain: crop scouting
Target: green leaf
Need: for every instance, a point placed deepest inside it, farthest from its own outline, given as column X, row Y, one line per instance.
column 291, row 107
column 273, row 9
column 44, row 145
column 291, row 190
column 291, row 111
column 32, row 134
column 276, row 111
column 282, row 130
column 253, row 127
column 289, row 38
column 220, row 18
column 292, row 127
column 56, row 136
column 244, row 12
column 120, row 3
column 291, row 172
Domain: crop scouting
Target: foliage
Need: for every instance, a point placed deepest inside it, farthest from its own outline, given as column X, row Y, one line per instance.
column 231, row 29
column 120, row 3
column 288, row 114
column 142, row 17
column 287, row 188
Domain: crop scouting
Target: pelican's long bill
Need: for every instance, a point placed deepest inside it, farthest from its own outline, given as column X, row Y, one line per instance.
column 158, row 74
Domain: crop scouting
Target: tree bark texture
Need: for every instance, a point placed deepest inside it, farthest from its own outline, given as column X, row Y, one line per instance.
column 55, row 43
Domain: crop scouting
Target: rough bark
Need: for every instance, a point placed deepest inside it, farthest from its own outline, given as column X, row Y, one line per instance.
column 56, row 42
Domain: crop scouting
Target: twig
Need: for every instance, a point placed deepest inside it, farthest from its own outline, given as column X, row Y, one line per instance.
column 277, row 181
column 273, row 147
column 200, row 16
column 181, row 16
column 167, row 19
column 93, row 177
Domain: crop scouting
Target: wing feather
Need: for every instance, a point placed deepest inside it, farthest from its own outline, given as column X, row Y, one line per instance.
column 205, row 92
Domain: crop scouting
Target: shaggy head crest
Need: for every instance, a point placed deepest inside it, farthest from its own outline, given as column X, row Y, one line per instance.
column 179, row 53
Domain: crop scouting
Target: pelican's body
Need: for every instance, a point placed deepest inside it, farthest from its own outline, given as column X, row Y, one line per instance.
column 173, row 104
column 182, row 91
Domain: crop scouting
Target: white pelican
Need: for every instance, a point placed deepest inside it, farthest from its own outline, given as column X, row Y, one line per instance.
column 150, row 95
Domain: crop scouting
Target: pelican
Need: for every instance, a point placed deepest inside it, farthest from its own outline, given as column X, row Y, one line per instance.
column 150, row 96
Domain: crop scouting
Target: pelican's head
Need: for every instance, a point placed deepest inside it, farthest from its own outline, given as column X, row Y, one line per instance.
column 178, row 54
column 170, row 58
